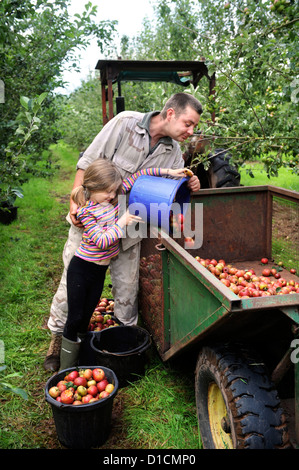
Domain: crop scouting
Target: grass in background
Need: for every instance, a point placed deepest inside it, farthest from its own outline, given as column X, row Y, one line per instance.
column 31, row 266
column 284, row 239
column 286, row 178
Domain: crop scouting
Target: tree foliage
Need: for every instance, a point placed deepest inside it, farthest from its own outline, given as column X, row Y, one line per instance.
column 38, row 40
column 252, row 46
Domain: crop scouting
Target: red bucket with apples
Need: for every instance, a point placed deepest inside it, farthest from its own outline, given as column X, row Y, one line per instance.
column 81, row 400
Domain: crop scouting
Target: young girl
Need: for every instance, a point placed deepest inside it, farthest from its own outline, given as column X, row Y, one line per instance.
column 98, row 213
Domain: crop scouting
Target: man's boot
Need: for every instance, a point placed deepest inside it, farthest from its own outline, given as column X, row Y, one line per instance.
column 52, row 361
column 69, row 353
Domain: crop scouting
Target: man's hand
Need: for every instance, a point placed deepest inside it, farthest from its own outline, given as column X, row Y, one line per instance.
column 193, row 183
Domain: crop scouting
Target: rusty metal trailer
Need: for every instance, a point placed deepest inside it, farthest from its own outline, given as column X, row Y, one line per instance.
column 246, row 349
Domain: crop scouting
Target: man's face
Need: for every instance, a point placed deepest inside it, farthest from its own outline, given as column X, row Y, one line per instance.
column 182, row 127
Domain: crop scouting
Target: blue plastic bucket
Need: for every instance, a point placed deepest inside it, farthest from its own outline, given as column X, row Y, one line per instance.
column 154, row 197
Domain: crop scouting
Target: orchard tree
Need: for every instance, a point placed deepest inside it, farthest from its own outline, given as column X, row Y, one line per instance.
column 38, row 41
column 252, row 46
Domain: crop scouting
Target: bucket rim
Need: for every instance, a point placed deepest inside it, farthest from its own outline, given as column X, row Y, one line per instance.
column 139, row 350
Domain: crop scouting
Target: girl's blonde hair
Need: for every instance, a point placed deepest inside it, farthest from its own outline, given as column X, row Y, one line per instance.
column 99, row 176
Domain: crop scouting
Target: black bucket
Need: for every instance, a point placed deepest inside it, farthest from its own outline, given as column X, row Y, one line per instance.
column 124, row 350
column 87, row 354
column 82, row 426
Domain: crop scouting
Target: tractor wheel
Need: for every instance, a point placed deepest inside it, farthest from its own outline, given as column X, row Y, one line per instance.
column 221, row 172
column 237, row 407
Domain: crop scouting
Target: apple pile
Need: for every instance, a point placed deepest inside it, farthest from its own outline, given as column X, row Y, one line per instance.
column 245, row 283
column 82, row 387
column 102, row 316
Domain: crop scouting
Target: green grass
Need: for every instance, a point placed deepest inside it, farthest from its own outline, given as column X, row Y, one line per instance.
column 157, row 411
column 286, row 178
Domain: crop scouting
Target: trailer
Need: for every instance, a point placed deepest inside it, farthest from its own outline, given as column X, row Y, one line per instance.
column 245, row 349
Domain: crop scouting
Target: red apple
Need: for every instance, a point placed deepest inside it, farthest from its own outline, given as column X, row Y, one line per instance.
column 189, row 242
column 87, row 374
column 102, row 385
column 86, row 398
column 180, row 218
column 98, row 374
column 67, row 397
column 266, row 272
column 92, row 390
column 80, row 381
column 72, row 375
column 264, row 260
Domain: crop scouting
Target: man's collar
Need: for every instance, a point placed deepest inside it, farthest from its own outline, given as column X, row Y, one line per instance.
column 145, row 124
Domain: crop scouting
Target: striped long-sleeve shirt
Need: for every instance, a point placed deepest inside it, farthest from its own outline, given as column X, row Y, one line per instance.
column 101, row 235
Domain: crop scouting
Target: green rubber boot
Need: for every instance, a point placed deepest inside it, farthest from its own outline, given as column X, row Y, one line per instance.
column 69, row 353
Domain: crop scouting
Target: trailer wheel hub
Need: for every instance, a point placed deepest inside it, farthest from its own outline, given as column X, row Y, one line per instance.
column 219, row 422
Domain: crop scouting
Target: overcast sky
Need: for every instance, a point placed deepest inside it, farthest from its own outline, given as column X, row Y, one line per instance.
column 128, row 13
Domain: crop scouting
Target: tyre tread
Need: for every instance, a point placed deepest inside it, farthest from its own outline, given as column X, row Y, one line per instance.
column 254, row 404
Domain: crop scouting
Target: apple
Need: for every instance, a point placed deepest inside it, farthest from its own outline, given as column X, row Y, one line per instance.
column 77, row 402
column 264, row 260
column 102, row 385
column 87, row 374
column 266, row 272
column 180, row 218
column 80, row 381
column 104, row 394
column 293, row 271
column 91, row 382
column 82, row 390
column 62, row 386
column 92, row 390
column 98, row 374
column 109, row 388
column 54, row 392
column 67, row 397
column 189, row 242
column 72, row 376
column 86, row 399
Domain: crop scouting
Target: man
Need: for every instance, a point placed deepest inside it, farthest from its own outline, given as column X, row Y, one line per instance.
column 133, row 141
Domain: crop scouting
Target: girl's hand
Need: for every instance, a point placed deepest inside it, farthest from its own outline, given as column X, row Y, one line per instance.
column 179, row 172
column 128, row 219
column 73, row 212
